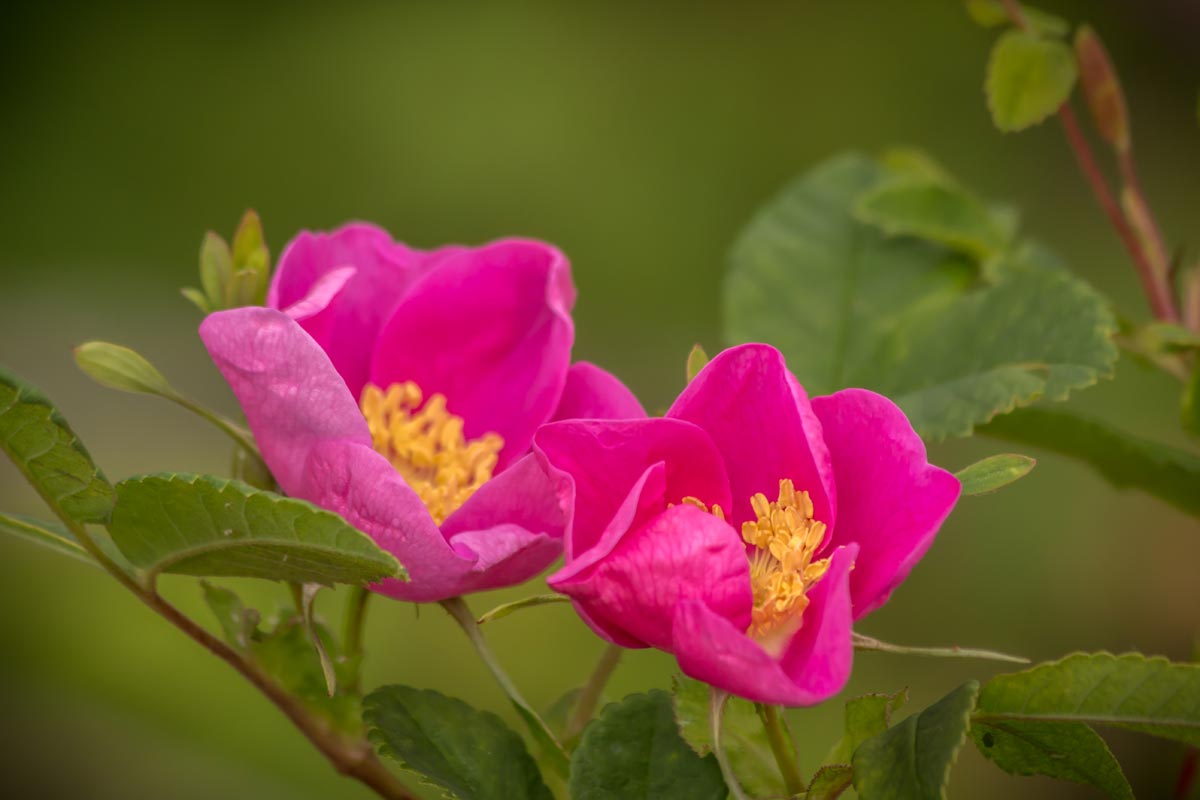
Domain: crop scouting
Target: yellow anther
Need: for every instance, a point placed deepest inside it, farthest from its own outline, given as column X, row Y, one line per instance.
column 427, row 447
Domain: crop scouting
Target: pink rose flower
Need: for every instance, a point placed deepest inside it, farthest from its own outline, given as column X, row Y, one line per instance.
column 746, row 530
column 401, row 389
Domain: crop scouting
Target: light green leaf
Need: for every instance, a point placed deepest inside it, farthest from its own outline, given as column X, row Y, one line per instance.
column 742, row 734
column 503, row 610
column 1122, row 459
column 1068, row 751
column 122, row 369
column 913, row 759
column 935, row 211
column 866, row 716
column 829, row 782
column 196, row 298
column 47, row 452
column 1028, row 78
column 470, row 754
column 238, row 623
column 849, row 306
column 697, row 359
column 994, row 472
column 216, row 268
column 991, row 13
column 47, row 534
column 634, row 751
column 1149, row 695
column 206, row 526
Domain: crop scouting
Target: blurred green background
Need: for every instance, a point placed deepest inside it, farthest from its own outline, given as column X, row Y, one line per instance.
column 638, row 137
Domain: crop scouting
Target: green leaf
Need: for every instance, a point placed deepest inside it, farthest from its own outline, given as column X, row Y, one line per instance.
column 469, row 753
column 216, row 268
column 47, row 534
column 196, row 298
column 991, row 13
column 634, row 751
column 288, row 656
column 849, row 306
column 1068, row 751
column 1149, row 695
column 829, row 782
column 913, row 759
column 1028, row 78
column 742, row 734
column 503, row 610
column 238, row 623
column 207, row 526
column 994, row 472
column 866, row 716
column 122, row 369
column 1122, row 459
column 49, row 455
column 937, row 212
column 697, row 359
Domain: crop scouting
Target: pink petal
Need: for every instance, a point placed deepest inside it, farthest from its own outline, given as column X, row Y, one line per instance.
column 320, row 294
column 527, row 494
column 760, row 419
column 605, row 458
column 815, row 665
column 593, row 393
column 347, row 327
column 358, row 483
column 892, row 500
column 289, row 390
column 681, row 554
column 491, row 330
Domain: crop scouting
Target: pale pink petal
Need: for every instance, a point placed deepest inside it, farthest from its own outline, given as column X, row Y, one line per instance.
column 761, row 421
column 893, row 500
column 814, row 667
column 681, row 554
column 289, row 390
column 593, row 393
column 605, row 458
column 491, row 330
column 349, row 324
column 320, row 294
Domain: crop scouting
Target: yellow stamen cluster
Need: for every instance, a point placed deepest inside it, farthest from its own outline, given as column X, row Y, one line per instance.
column 425, row 444
column 782, row 570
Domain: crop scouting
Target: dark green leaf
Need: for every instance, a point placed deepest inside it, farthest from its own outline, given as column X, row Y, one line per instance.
column 49, row 455
column 1150, row 695
column 1028, row 78
column 994, row 472
column 47, row 534
column 742, row 734
column 935, row 211
column 1122, row 459
column 913, row 759
column 1068, row 751
column 471, row 754
column 830, row 781
column 866, row 716
column 633, row 751
column 207, row 526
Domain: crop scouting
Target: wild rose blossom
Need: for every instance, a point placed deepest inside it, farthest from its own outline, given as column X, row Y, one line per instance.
column 746, row 530
column 401, row 389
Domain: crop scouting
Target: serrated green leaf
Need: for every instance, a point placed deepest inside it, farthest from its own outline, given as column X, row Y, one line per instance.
column 742, row 734
column 634, row 751
column 912, row 760
column 991, row 13
column 937, row 212
column 49, row 454
column 122, row 369
column 866, row 716
column 1068, row 751
column 907, row 318
column 1149, row 695
column 1028, row 78
column 207, row 526
column 1122, row 459
column 829, row 782
column 47, row 534
column 471, row 754
column 697, row 359
column 994, row 472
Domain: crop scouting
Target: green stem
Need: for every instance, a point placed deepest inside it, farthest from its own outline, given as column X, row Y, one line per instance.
column 226, row 425
column 589, row 697
column 862, row 642
column 458, row 609
column 297, row 598
column 781, row 746
column 716, row 710
column 352, row 634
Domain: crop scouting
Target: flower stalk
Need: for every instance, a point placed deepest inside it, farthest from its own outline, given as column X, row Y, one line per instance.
column 589, row 697
column 782, row 746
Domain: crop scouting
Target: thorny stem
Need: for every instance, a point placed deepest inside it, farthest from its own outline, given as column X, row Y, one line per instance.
column 352, row 635
column 716, row 710
column 585, row 707
column 1155, row 280
column 353, row 758
column 782, row 746
column 862, row 642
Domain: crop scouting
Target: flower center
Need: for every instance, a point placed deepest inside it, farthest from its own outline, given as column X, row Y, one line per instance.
column 785, row 537
column 425, row 444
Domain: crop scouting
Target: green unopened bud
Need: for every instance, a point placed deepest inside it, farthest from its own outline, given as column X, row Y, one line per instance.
column 696, row 361
column 216, row 268
column 1102, row 88
column 121, row 368
column 250, row 256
